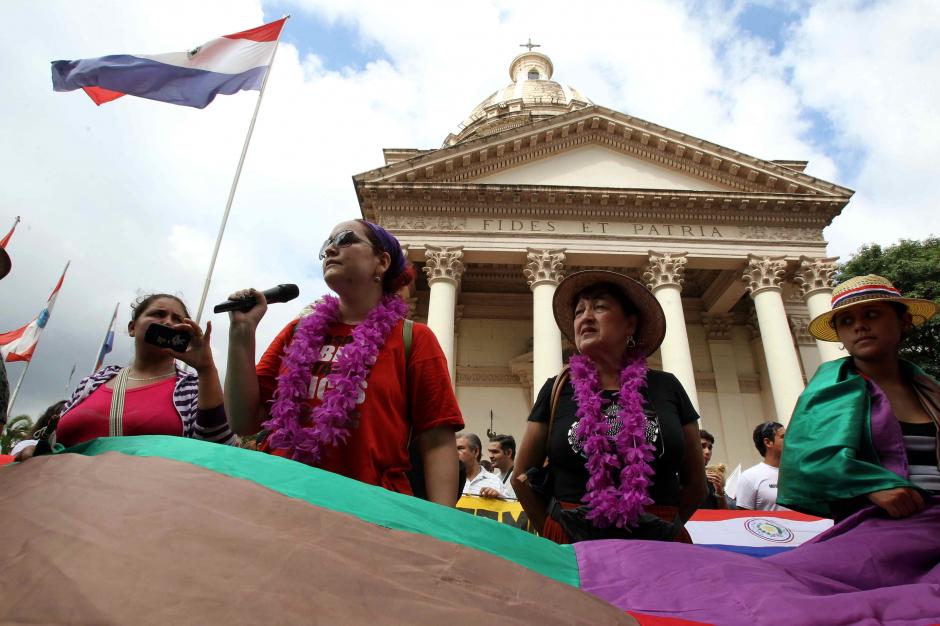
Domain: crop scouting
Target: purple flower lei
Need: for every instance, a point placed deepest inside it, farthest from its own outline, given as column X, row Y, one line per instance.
column 332, row 418
column 618, row 487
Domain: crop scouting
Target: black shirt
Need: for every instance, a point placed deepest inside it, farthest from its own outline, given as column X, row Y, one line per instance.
column 667, row 409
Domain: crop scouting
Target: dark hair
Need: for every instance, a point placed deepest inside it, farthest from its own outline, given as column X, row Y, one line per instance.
column 767, row 430
column 507, row 443
column 474, row 443
column 400, row 272
column 605, row 289
column 707, row 436
column 43, row 420
column 140, row 305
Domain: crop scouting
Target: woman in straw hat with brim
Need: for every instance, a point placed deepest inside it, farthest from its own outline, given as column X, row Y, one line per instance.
column 864, row 432
column 621, row 441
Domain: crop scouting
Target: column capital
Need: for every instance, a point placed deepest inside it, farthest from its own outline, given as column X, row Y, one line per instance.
column 817, row 274
column 799, row 324
column 544, row 266
column 717, row 326
column 763, row 273
column 665, row 268
column 444, row 263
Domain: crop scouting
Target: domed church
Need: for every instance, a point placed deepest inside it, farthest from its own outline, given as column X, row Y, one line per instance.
column 539, row 182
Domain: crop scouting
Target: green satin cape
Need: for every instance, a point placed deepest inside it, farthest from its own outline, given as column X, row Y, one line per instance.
column 828, row 453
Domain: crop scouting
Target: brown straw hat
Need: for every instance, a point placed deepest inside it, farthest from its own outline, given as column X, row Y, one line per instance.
column 860, row 290
column 651, row 324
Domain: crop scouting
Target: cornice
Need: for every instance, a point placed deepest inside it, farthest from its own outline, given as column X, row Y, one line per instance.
column 545, row 201
column 599, row 125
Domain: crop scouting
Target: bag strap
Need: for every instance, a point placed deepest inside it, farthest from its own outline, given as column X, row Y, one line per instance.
column 407, row 335
column 116, row 419
column 559, row 384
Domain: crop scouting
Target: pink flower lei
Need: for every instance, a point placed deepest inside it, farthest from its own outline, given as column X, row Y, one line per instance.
column 618, row 487
column 332, row 418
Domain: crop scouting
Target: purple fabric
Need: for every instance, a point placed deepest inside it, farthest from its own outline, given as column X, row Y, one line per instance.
column 866, row 570
column 886, row 433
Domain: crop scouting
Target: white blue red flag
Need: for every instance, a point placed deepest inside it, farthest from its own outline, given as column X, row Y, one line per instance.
column 193, row 78
column 108, row 344
column 19, row 344
column 758, row 533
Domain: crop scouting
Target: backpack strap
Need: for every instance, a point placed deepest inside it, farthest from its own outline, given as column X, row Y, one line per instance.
column 407, row 335
column 558, row 385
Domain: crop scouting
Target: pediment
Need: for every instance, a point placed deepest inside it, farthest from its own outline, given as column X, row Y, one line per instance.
column 598, row 166
column 611, row 150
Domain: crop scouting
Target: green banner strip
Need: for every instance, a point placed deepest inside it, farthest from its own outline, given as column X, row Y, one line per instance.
column 369, row 503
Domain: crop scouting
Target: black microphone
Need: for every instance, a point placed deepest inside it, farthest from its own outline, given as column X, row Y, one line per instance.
column 281, row 293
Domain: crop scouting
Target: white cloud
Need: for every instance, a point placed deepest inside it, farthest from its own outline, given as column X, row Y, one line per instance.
column 133, row 191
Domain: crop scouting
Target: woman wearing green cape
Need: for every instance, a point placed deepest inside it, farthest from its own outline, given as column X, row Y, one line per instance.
column 865, row 429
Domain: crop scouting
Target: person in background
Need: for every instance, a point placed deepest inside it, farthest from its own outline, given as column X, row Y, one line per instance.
column 757, row 487
column 48, row 420
column 470, row 451
column 622, row 441
column 864, row 431
column 160, row 397
column 502, row 452
column 339, row 388
column 714, row 474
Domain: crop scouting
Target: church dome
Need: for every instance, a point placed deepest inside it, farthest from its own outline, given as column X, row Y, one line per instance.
column 531, row 96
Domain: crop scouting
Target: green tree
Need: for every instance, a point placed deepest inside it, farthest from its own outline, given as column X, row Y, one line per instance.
column 17, row 429
column 914, row 268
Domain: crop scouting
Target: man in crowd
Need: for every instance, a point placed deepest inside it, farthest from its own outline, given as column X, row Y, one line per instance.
column 502, row 453
column 715, row 475
column 757, row 487
column 470, row 451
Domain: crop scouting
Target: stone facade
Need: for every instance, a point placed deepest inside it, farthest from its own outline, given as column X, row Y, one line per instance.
column 539, row 182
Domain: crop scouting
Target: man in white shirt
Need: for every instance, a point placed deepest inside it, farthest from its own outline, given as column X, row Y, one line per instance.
column 470, row 451
column 502, row 453
column 757, row 487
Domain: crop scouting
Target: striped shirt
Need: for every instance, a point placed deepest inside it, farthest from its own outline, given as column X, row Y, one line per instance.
column 205, row 424
column 920, row 443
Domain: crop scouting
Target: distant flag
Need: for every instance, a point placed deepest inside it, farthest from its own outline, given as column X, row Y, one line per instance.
column 108, row 344
column 19, row 344
column 193, row 78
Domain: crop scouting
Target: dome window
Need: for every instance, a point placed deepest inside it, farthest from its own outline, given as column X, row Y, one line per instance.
column 533, row 74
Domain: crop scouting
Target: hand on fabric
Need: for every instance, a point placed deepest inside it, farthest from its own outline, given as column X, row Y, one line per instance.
column 199, row 353
column 25, row 454
column 489, row 492
column 249, row 319
column 899, row 502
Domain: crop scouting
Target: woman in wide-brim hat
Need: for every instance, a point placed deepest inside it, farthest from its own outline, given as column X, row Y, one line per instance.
column 864, row 432
column 621, row 441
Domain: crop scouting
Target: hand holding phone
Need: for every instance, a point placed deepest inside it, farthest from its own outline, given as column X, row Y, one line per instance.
column 165, row 337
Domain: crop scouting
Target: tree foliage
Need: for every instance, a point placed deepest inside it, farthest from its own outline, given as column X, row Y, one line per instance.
column 914, row 268
column 17, row 429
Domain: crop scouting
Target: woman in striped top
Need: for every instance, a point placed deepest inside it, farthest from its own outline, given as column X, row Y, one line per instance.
column 160, row 397
column 865, row 429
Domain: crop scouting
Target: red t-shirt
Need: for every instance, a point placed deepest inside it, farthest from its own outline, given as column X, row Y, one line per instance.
column 376, row 451
column 148, row 410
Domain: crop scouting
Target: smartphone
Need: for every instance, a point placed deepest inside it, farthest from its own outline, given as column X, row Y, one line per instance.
column 165, row 337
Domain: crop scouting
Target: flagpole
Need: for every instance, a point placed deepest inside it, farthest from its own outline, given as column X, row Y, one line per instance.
column 238, row 173
column 107, row 331
column 68, row 383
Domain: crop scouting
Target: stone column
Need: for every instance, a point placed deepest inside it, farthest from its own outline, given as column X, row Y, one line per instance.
column 664, row 278
column 543, row 270
column 763, row 277
column 734, row 430
column 444, row 268
column 816, row 278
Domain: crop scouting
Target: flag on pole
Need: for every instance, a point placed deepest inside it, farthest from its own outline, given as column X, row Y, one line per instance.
column 108, row 344
column 191, row 78
column 19, row 344
column 5, row 263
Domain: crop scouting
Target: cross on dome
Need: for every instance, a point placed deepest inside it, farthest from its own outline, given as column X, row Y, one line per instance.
column 530, row 45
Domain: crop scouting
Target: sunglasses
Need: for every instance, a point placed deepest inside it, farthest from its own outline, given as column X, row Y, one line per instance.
column 342, row 239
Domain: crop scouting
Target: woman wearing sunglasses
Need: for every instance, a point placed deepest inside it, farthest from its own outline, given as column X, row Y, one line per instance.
column 347, row 387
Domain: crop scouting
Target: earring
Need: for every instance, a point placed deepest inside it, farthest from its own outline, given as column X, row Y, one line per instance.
column 377, row 278
column 841, row 347
column 631, row 343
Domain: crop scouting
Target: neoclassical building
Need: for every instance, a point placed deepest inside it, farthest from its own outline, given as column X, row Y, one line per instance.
column 539, row 182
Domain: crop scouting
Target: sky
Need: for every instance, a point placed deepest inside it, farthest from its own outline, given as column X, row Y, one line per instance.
column 132, row 192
